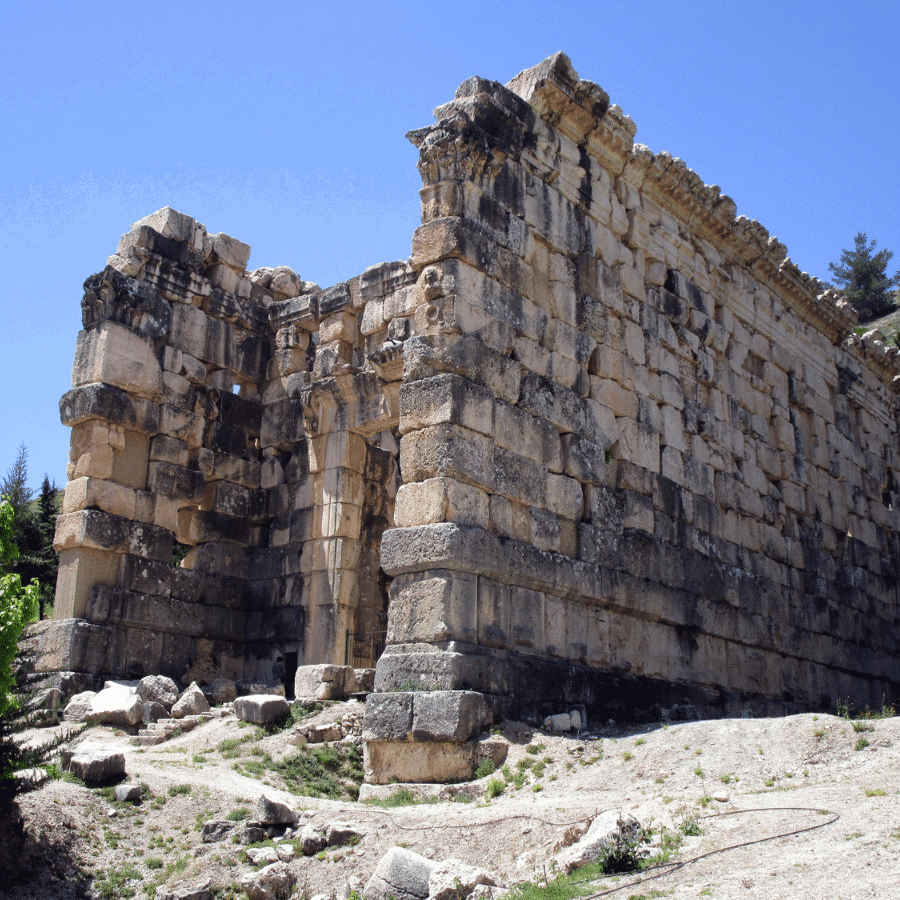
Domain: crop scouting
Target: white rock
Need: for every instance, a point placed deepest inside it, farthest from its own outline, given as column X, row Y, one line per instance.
column 79, row 706
column 260, row 709
column 258, row 855
column 454, row 880
column 191, row 703
column 401, row 874
column 116, row 705
column 559, row 722
column 159, row 689
column 274, row 882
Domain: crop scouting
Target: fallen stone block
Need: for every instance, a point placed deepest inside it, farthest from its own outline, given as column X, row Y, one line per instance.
column 95, row 765
column 190, row 703
column 452, row 879
column 401, row 874
column 79, row 706
column 271, row 812
column 312, row 839
column 196, row 890
column 325, row 682
column 116, row 705
column 337, row 834
column 128, row 793
column 260, row 709
column 274, row 882
column 159, row 689
column 153, row 711
column 216, row 830
column 262, row 855
column 222, row 690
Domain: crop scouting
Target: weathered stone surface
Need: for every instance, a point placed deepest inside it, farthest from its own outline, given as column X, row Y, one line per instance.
column 325, row 682
column 400, row 874
column 154, row 712
column 96, row 765
column 116, row 705
column 200, row 889
column 271, row 812
column 451, row 879
column 274, row 882
column 222, row 690
column 600, row 446
column 217, row 830
column 260, row 708
column 339, row 833
column 312, row 839
column 190, row 703
column 159, row 689
column 79, row 706
column 128, row 793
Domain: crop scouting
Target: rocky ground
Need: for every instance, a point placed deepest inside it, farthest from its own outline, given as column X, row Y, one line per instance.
column 805, row 806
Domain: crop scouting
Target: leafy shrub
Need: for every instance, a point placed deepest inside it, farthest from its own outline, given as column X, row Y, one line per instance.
column 486, row 768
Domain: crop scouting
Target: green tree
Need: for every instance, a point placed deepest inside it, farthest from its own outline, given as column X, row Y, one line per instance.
column 862, row 276
column 18, row 605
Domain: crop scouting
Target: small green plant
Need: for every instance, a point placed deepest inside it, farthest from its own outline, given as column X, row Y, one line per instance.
column 698, row 752
column 705, row 800
column 788, row 774
column 627, row 755
column 154, row 863
column 660, row 779
column 537, row 788
column 819, row 733
column 859, row 727
column 725, row 779
column 640, row 741
column 627, row 851
column 874, row 792
column 698, row 772
column 496, row 786
column 769, row 782
column 238, row 814
column 176, row 790
column 861, row 744
column 535, row 748
column 487, row 767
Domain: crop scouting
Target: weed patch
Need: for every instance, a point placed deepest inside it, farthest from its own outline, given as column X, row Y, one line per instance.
column 333, row 772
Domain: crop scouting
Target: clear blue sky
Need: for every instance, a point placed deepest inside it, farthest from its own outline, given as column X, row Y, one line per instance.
column 283, row 125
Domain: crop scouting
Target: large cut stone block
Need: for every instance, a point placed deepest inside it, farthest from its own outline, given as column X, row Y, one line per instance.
column 113, row 354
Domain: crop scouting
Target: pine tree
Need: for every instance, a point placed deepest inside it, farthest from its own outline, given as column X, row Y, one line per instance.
column 15, row 486
column 863, row 278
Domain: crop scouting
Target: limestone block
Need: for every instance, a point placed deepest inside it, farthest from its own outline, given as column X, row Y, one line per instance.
column 78, row 706
column 176, row 482
column 260, row 708
column 109, row 404
column 639, row 444
column 267, row 811
column 445, row 399
column 325, row 682
column 274, row 882
column 609, row 393
column 173, row 224
column 115, row 355
column 451, row 879
column 583, row 459
column 192, row 702
column 116, row 705
column 95, row 765
column 440, row 500
column 96, row 493
column 434, row 607
column 400, row 875
column 564, row 497
column 158, row 688
column 527, row 435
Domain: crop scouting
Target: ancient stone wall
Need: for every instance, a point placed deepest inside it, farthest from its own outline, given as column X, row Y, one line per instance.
column 645, row 465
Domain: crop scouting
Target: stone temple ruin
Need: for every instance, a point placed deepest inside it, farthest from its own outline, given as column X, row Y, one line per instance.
column 597, row 444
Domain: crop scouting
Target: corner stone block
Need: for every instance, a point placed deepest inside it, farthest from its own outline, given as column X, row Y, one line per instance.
column 115, row 355
column 388, row 717
column 445, row 399
column 108, row 404
column 439, row 606
column 449, row 715
column 80, row 570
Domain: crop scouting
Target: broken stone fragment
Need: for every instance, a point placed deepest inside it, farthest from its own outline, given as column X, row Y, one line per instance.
column 312, row 839
column 452, row 879
column 222, row 690
column 196, row 890
column 79, row 706
column 190, row 703
column 274, row 882
column 258, row 855
column 154, row 712
column 337, row 834
column 325, row 682
column 95, row 765
column 260, row 709
column 116, row 705
column 128, row 793
column 158, row 688
column 216, row 830
column 401, row 874
column 270, row 812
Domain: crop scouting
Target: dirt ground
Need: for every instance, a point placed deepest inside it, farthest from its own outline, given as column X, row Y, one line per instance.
column 788, row 808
